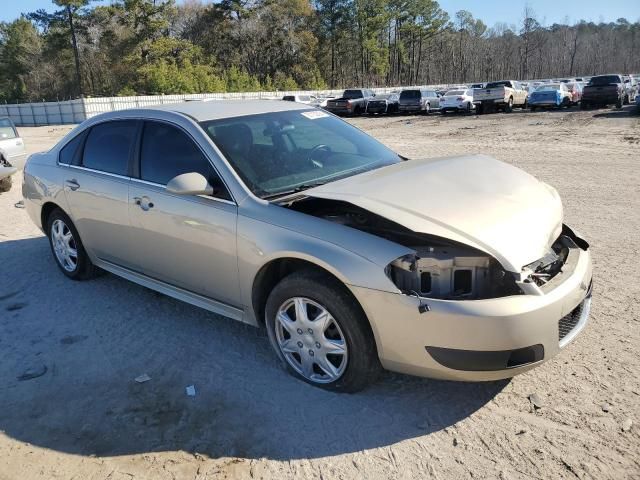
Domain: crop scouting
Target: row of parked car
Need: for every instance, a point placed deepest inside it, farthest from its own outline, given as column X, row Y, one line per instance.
column 505, row 95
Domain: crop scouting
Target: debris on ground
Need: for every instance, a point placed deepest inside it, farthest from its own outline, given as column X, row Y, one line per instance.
column 605, row 407
column 535, row 401
column 626, row 425
column 191, row 390
column 142, row 378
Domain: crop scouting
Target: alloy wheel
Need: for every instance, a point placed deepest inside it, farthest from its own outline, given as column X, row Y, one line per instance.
column 64, row 245
column 311, row 340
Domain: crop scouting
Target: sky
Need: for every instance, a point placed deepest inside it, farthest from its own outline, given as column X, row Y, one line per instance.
column 489, row 11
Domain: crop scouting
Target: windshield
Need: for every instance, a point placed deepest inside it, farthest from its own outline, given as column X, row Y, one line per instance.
column 409, row 94
column 283, row 152
column 352, row 94
column 605, row 80
column 504, row 83
column 551, row 87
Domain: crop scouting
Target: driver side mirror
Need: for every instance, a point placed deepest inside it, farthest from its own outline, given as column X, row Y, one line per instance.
column 191, row 183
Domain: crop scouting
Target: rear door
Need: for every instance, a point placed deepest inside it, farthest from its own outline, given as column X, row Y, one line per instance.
column 96, row 183
column 188, row 241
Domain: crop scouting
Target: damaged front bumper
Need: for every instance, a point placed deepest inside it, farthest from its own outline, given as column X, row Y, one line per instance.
column 477, row 340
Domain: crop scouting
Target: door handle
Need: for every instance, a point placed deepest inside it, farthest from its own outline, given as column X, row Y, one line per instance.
column 144, row 203
column 72, row 184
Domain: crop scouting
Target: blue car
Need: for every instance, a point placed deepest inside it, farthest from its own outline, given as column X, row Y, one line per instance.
column 550, row 95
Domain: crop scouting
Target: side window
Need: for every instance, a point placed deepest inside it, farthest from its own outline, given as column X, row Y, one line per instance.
column 7, row 130
column 70, row 153
column 109, row 145
column 166, row 152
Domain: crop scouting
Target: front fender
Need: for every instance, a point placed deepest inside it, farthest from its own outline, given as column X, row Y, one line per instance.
column 260, row 242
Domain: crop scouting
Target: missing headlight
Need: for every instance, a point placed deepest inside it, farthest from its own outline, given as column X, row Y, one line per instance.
column 451, row 273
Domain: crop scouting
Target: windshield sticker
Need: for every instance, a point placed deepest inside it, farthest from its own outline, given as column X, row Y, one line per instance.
column 314, row 114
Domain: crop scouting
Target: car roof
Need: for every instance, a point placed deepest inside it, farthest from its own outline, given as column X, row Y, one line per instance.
column 218, row 109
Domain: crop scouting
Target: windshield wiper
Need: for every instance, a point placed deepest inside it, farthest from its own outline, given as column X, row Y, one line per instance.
column 296, row 189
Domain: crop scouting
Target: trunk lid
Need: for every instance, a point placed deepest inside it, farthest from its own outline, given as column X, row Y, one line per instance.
column 474, row 199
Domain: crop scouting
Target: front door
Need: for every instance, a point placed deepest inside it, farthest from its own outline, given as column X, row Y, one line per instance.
column 188, row 241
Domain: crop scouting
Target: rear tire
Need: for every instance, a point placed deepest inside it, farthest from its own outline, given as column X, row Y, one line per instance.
column 304, row 346
column 67, row 248
column 5, row 184
column 619, row 103
column 509, row 106
column 532, row 108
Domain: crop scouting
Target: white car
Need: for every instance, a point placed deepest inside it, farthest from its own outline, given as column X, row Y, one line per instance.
column 457, row 101
column 12, row 153
column 321, row 102
column 306, row 99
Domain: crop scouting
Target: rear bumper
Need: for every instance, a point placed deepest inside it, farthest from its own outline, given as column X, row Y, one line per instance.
column 339, row 110
column 545, row 102
column 410, row 108
column 454, row 108
column 601, row 99
column 478, row 340
column 490, row 101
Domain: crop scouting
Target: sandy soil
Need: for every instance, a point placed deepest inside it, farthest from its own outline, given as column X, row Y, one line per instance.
column 86, row 417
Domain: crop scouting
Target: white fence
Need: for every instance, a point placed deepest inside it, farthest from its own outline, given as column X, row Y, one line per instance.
column 76, row 111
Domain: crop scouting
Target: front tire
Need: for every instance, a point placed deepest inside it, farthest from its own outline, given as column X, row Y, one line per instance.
column 318, row 333
column 67, row 248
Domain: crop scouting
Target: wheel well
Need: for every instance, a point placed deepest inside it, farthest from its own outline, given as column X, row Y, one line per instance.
column 271, row 274
column 47, row 208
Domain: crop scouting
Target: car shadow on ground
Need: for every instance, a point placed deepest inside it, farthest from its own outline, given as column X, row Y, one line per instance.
column 70, row 351
column 624, row 112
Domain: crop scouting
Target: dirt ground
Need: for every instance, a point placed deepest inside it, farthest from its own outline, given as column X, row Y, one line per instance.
column 86, row 417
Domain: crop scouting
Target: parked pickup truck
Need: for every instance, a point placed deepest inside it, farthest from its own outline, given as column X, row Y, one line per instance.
column 352, row 102
column 503, row 95
column 603, row 90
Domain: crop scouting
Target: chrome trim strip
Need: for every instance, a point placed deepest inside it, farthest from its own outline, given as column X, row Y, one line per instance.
column 173, row 291
column 91, row 170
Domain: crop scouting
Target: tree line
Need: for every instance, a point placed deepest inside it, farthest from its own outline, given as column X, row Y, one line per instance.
column 158, row 47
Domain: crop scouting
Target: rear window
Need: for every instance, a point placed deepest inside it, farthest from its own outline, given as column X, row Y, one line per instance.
column 409, row 94
column 605, row 80
column 289, row 98
column 499, row 84
column 7, row 130
column 352, row 94
column 109, row 145
column 453, row 93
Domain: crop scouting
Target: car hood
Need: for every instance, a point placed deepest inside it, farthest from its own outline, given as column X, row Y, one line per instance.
column 472, row 199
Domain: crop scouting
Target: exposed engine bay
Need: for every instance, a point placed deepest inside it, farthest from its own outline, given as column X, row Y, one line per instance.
column 444, row 269
column 440, row 268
